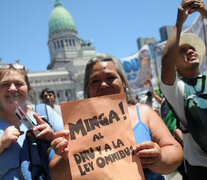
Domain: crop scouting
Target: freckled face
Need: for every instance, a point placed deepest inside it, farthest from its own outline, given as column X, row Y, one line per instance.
column 13, row 90
column 104, row 79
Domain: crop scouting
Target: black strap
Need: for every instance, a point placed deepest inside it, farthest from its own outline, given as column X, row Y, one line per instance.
column 20, row 169
column 202, row 88
column 177, row 118
column 193, row 83
column 30, row 157
column 203, row 83
column 43, row 172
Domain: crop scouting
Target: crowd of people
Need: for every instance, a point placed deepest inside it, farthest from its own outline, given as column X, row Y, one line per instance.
column 165, row 139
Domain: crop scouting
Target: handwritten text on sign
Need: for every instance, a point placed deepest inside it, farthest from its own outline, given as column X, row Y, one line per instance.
column 101, row 138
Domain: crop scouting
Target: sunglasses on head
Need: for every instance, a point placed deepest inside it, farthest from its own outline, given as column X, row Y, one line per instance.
column 16, row 66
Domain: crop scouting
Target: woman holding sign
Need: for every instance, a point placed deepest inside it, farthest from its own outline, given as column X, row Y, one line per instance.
column 157, row 149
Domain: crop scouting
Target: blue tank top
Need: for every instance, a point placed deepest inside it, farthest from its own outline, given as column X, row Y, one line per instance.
column 141, row 134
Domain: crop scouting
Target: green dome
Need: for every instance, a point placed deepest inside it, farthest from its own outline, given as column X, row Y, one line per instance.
column 60, row 19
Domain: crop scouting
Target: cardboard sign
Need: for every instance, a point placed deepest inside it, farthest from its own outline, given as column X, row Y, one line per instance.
column 101, row 139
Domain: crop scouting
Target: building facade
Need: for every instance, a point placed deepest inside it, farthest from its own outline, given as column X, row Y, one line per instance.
column 68, row 57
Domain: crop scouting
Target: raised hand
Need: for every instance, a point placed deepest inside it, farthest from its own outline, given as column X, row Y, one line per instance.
column 195, row 5
column 183, row 11
column 46, row 132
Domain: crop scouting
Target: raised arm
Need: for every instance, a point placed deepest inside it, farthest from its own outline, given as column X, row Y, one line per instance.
column 168, row 72
column 157, row 98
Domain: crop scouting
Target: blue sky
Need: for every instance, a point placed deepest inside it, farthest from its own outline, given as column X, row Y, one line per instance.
column 113, row 25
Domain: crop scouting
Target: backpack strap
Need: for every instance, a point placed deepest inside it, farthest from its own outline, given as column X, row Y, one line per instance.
column 26, row 162
column 196, row 85
column 178, row 120
column 41, row 110
column 43, row 147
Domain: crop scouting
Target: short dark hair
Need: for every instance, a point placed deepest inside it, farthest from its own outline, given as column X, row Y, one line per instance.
column 48, row 91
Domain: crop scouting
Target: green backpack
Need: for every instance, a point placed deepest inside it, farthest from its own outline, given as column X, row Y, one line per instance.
column 196, row 109
column 168, row 116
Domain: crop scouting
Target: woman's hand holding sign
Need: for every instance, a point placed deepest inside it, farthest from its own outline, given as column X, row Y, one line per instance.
column 60, row 162
column 60, row 143
column 149, row 153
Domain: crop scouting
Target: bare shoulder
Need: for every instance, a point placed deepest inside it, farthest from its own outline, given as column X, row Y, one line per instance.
column 149, row 116
column 146, row 113
column 133, row 114
column 145, row 109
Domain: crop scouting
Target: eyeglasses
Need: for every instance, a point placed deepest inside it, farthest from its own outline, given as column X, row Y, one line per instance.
column 16, row 66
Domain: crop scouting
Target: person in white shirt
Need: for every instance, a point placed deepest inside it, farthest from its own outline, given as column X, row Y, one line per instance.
column 182, row 56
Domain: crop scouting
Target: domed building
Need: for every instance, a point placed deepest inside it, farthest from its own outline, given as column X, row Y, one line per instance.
column 68, row 57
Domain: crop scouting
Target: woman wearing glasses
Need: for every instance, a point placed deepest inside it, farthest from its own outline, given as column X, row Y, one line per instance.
column 158, row 150
column 22, row 155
